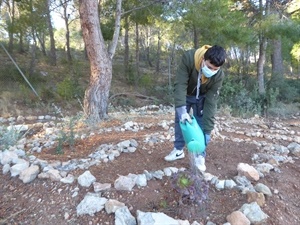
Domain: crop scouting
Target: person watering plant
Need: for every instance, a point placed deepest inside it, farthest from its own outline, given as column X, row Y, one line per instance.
column 198, row 81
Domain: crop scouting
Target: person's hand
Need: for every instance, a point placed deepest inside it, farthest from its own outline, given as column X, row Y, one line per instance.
column 207, row 138
column 183, row 115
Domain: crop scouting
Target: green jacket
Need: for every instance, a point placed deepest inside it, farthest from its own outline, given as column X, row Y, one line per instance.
column 186, row 84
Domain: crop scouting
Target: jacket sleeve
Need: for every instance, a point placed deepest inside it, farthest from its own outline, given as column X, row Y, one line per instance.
column 210, row 104
column 182, row 79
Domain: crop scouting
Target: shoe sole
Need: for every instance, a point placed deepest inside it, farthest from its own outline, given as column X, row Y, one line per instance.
column 181, row 157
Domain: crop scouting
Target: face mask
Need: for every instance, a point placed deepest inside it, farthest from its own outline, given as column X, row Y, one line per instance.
column 207, row 72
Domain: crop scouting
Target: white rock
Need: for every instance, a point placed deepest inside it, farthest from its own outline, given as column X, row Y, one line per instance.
column 86, row 179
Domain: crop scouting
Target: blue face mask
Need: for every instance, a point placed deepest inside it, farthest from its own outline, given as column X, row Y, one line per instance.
column 207, row 72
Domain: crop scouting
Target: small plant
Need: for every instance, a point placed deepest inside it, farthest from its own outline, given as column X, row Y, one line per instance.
column 163, row 204
column 9, row 137
column 67, row 137
column 191, row 186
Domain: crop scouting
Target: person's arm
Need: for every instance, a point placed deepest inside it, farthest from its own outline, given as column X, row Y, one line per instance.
column 182, row 79
column 210, row 104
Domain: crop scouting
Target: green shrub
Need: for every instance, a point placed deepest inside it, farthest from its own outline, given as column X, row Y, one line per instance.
column 8, row 137
column 67, row 135
column 68, row 89
column 9, row 73
column 284, row 110
column 167, row 93
column 146, row 81
column 289, row 91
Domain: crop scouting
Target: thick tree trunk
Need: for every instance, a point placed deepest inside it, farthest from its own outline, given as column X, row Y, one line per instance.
column 97, row 94
column 264, row 11
column 277, row 64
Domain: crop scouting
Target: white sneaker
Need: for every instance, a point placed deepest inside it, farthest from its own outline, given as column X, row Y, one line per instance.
column 174, row 155
column 200, row 163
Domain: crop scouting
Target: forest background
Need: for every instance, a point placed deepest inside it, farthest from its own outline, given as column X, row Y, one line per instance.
column 45, row 60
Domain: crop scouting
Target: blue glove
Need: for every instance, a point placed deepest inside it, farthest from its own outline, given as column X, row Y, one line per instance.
column 182, row 114
column 207, row 138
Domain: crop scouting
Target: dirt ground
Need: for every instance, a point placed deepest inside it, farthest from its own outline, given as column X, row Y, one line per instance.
column 43, row 202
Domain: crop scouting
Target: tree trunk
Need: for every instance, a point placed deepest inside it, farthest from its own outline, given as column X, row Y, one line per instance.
column 260, row 66
column 33, row 53
column 66, row 20
column 42, row 43
column 277, row 64
column 126, row 44
column 196, row 38
column 21, row 44
column 97, row 93
column 148, row 42
column 137, row 52
column 11, row 27
column 158, row 52
column 264, row 11
column 52, row 54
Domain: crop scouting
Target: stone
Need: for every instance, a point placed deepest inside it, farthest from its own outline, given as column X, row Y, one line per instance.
column 112, row 205
column 263, row 189
column 29, row 174
column 259, row 198
column 91, row 204
column 248, row 171
column 124, row 217
column 237, row 218
column 86, row 179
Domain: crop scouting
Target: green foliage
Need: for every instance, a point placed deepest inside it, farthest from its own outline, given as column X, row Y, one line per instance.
column 9, row 73
column 67, row 136
column 289, row 91
column 47, row 93
column 284, row 110
column 296, row 52
column 245, row 105
column 68, row 89
column 166, row 91
column 191, row 186
column 245, row 100
column 286, row 28
column 107, row 30
column 217, row 23
column 146, row 81
column 9, row 136
column 163, row 203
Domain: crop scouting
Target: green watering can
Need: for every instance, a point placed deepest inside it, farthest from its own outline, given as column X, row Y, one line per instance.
column 193, row 136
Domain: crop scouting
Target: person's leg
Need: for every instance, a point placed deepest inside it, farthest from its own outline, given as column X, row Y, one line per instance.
column 198, row 114
column 179, row 143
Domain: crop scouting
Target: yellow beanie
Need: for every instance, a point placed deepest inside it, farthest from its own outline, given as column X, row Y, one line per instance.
column 199, row 55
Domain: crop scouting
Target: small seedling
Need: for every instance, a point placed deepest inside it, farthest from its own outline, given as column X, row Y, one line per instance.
column 191, row 186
